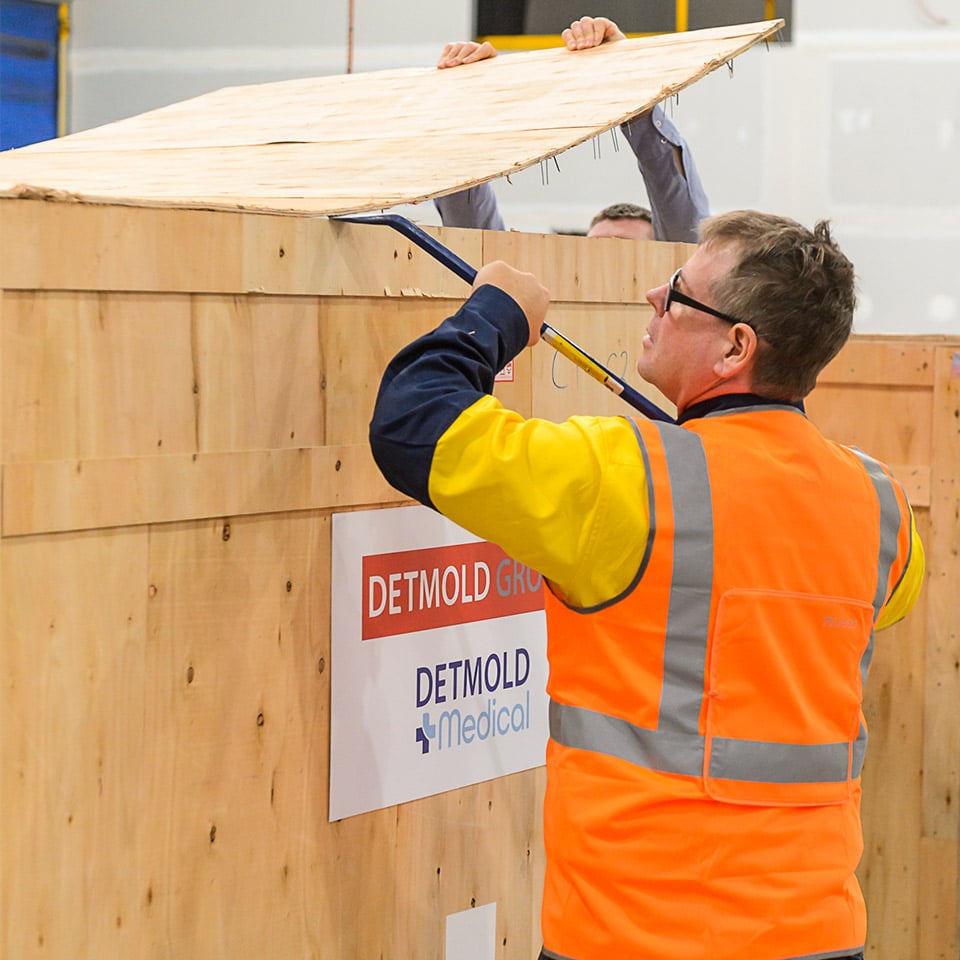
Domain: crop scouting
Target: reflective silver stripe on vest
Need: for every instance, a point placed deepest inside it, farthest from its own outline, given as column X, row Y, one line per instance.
column 675, row 746
column 889, row 531
column 688, row 617
column 752, row 761
column 759, row 761
column 652, row 749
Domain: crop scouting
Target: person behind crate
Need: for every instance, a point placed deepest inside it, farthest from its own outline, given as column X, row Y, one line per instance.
column 677, row 198
column 715, row 586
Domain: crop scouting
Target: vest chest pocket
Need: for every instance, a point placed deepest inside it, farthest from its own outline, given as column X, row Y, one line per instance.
column 783, row 698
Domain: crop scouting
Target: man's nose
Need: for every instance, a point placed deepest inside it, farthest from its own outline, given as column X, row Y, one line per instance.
column 656, row 297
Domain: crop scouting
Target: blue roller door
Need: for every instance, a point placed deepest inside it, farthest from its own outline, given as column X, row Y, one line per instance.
column 29, row 51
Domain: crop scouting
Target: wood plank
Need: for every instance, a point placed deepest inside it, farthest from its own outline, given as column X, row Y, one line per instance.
column 91, row 375
column 82, row 746
column 517, row 393
column 93, row 247
column 73, row 246
column 941, row 769
column 915, row 480
column 893, row 424
column 892, row 816
column 327, row 144
column 258, row 373
column 55, row 496
column 241, row 615
column 503, row 818
column 289, row 255
column 606, row 270
column 891, row 361
column 937, row 884
column 538, row 854
column 359, row 337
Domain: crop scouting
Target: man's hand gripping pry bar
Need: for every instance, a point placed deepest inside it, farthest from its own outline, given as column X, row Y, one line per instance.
column 556, row 339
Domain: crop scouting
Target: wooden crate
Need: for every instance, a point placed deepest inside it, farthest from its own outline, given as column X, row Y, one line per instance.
column 184, row 404
column 899, row 399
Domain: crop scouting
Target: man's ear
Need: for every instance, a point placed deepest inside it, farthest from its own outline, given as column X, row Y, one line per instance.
column 740, row 352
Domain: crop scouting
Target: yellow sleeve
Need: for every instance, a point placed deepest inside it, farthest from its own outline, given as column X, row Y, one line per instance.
column 907, row 590
column 578, row 508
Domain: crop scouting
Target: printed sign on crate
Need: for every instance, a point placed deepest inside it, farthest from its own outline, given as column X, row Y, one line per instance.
column 438, row 650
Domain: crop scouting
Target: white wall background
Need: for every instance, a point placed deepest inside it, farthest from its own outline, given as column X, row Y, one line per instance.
column 857, row 121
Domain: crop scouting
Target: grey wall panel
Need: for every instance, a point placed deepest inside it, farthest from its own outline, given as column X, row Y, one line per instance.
column 895, row 143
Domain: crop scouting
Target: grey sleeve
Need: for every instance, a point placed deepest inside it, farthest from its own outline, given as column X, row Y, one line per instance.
column 677, row 199
column 475, row 207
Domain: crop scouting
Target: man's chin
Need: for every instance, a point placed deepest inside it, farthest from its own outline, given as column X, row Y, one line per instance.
column 648, row 374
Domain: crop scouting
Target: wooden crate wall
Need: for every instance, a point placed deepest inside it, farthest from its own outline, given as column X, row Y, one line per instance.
column 184, row 403
column 184, row 399
column 899, row 399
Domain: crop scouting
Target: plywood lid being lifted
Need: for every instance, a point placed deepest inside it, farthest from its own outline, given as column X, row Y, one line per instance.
column 356, row 142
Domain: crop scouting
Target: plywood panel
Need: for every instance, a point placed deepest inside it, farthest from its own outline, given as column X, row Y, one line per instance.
column 75, row 246
column 517, row 393
column 938, row 900
column 359, row 338
column 448, row 876
column 240, row 609
column 69, row 246
column 942, row 698
column 185, row 828
column 609, row 270
column 258, row 373
column 327, row 144
column 915, row 481
column 332, row 257
column 75, row 657
column 96, row 375
column 876, row 393
column 883, row 361
column 892, row 818
column 358, row 914
column 58, row 495
column 891, row 423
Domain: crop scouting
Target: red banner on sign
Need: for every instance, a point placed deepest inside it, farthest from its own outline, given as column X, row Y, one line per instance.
column 414, row 590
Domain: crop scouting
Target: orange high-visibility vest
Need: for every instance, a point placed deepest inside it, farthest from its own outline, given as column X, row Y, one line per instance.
column 706, row 733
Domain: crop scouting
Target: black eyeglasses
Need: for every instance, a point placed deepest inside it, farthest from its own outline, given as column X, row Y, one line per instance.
column 675, row 296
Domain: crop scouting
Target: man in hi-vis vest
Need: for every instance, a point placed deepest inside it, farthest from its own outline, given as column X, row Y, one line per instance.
column 715, row 585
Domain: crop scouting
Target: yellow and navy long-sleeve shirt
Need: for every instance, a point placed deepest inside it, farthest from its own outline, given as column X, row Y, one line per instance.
column 567, row 499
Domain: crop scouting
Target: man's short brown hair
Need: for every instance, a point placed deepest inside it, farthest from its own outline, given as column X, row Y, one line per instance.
column 622, row 211
column 794, row 286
